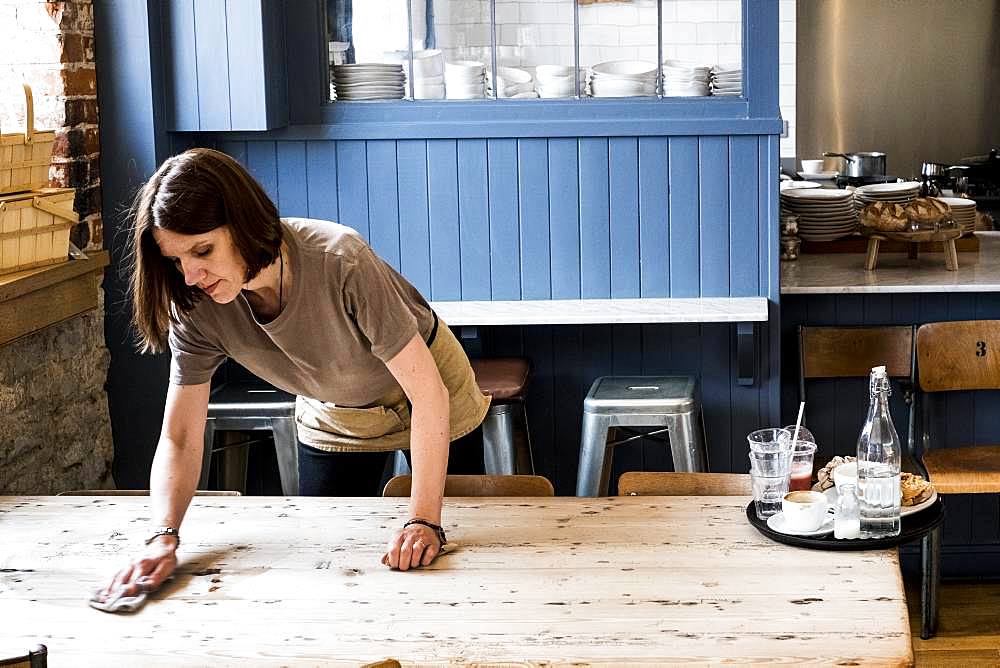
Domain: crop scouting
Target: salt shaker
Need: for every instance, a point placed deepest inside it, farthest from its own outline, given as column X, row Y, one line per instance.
column 847, row 520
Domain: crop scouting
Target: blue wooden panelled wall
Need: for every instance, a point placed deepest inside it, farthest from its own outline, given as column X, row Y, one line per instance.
column 560, row 218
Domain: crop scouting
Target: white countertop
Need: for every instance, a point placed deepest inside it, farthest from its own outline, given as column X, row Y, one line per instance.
column 844, row 273
column 606, row 311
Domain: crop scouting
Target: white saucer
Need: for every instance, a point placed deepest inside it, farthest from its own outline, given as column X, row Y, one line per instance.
column 831, row 495
column 819, row 176
column 776, row 522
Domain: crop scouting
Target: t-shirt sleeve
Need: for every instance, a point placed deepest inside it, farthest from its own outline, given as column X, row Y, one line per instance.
column 193, row 358
column 377, row 304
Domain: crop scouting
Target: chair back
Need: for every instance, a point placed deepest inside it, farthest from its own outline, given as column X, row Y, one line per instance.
column 960, row 355
column 850, row 352
column 141, row 492
column 479, row 485
column 37, row 657
column 635, row 483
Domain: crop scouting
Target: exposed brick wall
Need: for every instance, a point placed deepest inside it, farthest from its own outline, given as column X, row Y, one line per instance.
column 51, row 46
column 55, row 431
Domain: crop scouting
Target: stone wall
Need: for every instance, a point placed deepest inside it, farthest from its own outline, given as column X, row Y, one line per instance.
column 55, row 433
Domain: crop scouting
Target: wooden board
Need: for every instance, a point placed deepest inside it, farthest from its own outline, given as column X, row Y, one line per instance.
column 297, row 581
column 968, row 244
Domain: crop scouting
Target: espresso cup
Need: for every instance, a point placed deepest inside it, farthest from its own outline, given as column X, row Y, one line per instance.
column 804, row 510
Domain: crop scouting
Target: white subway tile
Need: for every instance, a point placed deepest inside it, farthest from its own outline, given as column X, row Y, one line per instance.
column 638, row 36
column 555, row 35
column 786, row 74
column 786, row 95
column 532, row 12
column 507, row 12
column 670, row 10
column 599, row 35
column 786, row 54
column 730, row 10
column 697, row 10
column 589, row 55
column 589, row 15
column 730, row 54
column 618, row 15
column 718, row 33
column 680, row 33
column 786, row 32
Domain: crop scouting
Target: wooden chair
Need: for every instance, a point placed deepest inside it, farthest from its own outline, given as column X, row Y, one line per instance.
column 479, row 485
column 37, row 657
column 636, row 483
column 956, row 356
column 141, row 492
column 851, row 352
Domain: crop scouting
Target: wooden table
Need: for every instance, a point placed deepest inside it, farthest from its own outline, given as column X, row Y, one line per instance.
column 273, row 581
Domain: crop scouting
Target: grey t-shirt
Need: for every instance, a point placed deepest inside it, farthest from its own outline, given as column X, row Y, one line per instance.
column 348, row 313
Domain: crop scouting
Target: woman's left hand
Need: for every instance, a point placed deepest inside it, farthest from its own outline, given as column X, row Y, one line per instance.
column 412, row 547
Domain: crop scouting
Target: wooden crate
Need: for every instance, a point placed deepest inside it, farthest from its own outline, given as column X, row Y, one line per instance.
column 35, row 227
column 25, row 156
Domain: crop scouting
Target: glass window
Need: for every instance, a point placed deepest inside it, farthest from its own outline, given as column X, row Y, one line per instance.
column 448, row 49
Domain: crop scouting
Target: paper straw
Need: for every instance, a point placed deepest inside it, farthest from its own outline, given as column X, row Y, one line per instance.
column 798, row 422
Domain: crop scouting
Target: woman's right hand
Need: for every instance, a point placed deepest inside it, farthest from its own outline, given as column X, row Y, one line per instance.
column 145, row 573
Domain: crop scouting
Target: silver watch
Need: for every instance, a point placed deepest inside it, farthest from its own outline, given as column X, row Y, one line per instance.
column 165, row 531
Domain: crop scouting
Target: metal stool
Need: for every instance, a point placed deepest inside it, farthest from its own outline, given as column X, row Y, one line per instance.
column 639, row 401
column 252, row 407
column 506, row 441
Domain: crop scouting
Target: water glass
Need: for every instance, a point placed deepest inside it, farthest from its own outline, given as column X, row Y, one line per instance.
column 768, row 493
column 769, row 440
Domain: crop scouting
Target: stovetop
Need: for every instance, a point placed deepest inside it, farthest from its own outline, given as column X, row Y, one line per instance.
column 844, row 181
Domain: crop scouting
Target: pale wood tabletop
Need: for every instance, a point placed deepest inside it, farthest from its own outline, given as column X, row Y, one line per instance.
column 275, row 581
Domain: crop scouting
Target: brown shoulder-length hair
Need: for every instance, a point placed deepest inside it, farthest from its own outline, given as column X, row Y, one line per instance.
column 193, row 193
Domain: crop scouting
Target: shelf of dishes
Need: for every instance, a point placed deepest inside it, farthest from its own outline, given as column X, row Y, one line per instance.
column 828, row 214
column 434, row 78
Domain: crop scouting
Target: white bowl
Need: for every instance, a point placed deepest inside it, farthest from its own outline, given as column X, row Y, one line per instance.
column 812, row 166
column 464, row 69
column 429, row 81
column 428, row 92
column 514, row 75
column 627, row 68
column 548, row 72
column 846, row 474
column 621, row 89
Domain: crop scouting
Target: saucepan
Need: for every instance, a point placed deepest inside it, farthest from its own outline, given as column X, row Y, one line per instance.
column 870, row 163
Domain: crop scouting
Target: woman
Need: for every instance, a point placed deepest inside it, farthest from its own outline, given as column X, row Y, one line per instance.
column 309, row 307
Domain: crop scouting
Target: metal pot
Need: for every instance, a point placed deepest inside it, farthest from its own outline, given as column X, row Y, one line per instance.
column 871, row 163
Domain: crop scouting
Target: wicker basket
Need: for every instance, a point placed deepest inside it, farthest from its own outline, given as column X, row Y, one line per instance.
column 25, row 157
column 34, row 228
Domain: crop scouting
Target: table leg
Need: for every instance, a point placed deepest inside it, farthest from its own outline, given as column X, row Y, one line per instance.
column 950, row 255
column 930, row 567
column 872, row 256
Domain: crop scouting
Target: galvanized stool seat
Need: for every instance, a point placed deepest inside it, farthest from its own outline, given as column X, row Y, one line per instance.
column 506, row 440
column 252, row 407
column 639, row 401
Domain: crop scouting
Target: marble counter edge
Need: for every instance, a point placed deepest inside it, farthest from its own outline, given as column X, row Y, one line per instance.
column 603, row 311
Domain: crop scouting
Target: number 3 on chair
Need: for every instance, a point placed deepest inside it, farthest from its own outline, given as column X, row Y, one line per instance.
column 980, row 349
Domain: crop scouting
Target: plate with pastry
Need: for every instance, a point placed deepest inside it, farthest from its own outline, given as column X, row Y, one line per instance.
column 916, row 493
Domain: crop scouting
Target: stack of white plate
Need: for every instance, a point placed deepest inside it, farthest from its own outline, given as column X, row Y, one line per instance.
column 727, row 80
column 369, row 81
column 465, row 80
column 428, row 71
column 824, row 214
column 623, row 78
column 557, row 81
column 963, row 212
column 682, row 79
column 898, row 193
column 513, row 82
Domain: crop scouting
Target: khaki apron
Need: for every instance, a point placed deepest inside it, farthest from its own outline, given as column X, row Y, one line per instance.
column 385, row 425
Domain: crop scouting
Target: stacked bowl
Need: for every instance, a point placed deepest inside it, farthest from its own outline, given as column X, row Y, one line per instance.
column 683, row 79
column 824, row 214
column 726, row 80
column 465, row 80
column 369, row 81
column 623, row 78
column 557, row 81
column 897, row 193
column 963, row 212
column 428, row 71
column 513, row 82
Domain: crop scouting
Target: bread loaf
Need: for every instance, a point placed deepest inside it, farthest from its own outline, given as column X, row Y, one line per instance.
column 928, row 211
column 885, row 216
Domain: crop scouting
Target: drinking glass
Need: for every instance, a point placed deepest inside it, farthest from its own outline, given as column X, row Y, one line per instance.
column 800, row 476
column 770, row 465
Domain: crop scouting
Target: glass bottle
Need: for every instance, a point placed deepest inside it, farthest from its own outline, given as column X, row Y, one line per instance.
column 879, row 453
column 847, row 520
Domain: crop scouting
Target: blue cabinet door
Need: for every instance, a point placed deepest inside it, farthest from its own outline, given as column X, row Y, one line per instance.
column 224, row 65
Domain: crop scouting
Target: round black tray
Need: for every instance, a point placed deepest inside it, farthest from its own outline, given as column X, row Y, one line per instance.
column 914, row 527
